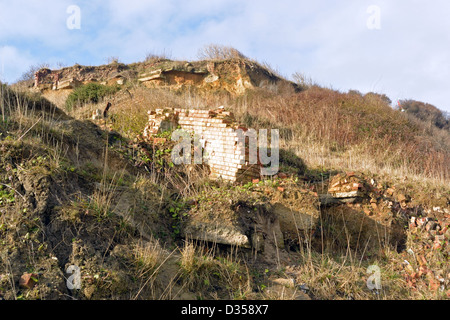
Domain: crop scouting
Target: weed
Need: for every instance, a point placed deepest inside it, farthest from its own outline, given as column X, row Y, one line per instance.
column 178, row 213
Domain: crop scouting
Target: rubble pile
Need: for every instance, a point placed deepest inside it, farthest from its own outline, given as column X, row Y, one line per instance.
column 348, row 186
column 430, row 244
column 374, row 198
column 426, row 231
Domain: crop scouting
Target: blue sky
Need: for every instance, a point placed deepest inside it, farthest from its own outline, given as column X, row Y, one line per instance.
column 405, row 54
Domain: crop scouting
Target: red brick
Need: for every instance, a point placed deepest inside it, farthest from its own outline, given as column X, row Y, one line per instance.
column 26, row 280
column 159, row 140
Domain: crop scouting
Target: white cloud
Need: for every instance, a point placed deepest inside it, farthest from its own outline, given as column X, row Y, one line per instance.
column 328, row 41
column 33, row 20
column 407, row 58
column 13, row 63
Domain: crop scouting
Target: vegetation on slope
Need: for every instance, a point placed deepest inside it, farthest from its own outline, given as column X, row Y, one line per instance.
column 75, row 193
column 89, row 93
column 426, row 113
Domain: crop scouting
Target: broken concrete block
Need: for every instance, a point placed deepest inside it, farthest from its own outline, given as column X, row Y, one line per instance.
column 216, row 233
column 293, row 221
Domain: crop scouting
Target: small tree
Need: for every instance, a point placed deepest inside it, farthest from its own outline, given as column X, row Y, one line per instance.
column 302, row 81
column 112, row 60
column 28, row 76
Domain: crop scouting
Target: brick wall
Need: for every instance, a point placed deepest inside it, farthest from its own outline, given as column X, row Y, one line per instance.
column 226, row 155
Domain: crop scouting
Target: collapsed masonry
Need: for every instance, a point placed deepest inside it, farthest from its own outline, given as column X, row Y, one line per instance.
column 218, row 133
column 46, row 79
column 348, row 186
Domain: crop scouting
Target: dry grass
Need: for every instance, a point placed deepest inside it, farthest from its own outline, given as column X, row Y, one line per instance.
column 149, row 257
column 337, row 276
column 324, row 127
column 335, row 130
column 204, row 270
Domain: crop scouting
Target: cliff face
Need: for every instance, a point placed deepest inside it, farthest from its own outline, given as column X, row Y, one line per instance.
column 234, row 76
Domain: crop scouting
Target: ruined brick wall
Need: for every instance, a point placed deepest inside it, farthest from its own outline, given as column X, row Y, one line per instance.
column 226, row 156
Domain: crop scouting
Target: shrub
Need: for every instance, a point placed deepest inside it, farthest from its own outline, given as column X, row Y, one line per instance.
column 302, row 80
column 219, row 52
column 89, row 93
column 153, row 57
column 112, row 60
column 426, row 112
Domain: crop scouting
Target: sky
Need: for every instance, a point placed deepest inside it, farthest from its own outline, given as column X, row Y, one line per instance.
column 399, row 48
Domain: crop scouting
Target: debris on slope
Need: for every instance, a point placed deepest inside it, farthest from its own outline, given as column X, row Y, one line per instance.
column 368, row 216
column 348, row 186
column 425, row 263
